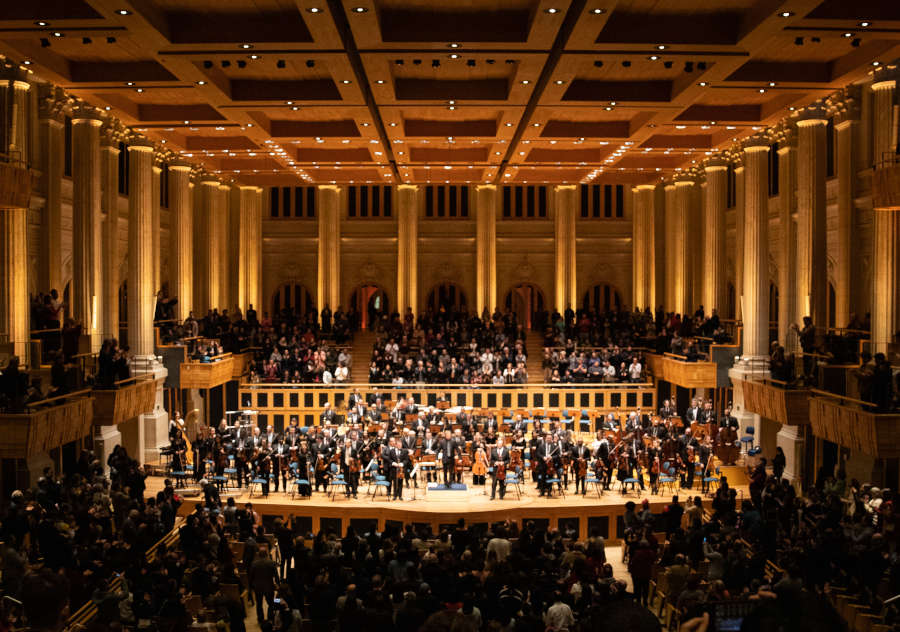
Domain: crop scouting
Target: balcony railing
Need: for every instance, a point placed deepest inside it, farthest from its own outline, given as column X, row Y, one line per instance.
column 854, row 424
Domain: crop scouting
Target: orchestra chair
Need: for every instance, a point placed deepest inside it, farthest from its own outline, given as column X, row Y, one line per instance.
column 634, row 485
column 231, row 471
column 559, row 487
column 667, row 479
column 512, row 481
column 220, row 481
column 584, row 424
column 337, row 483
column 747, row 439
column 180, row 477
column 566, row 418
column 380, row 482
column 296, row 481
column 255, row 483
column 596, row 482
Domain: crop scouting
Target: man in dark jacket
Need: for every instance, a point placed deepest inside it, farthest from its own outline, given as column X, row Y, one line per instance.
column 262, row 577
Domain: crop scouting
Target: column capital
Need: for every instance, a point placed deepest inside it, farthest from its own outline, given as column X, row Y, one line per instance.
column 493, row 187
column 813, row 116
column 756, row 143
column 685, row 183
column 140, row 144
column 645, row 187
column 88, row 114
column 408, row 187
column 210, row 180
column 888, row 84
column 715, row 164
column 180, row 165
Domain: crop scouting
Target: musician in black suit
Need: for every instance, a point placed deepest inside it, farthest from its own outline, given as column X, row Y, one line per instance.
column 448, row 448
column 327, row 417
column 349, row 463
column 280, row 453
column 271, row 436
column 658, row 430
column 602, row 452
column 667, row 410
column 519, row 424
column 708, row 415
column 548, row 455
column 693, row 413
column 728, row 420
column 499, row 454
column 321, row 454
column 490, row 423
column 580, row 453
column 398, row 462
column 408, row 444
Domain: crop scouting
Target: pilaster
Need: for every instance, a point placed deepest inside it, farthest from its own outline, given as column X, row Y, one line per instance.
column 219, row 229
column 141, row 294
column 846, row 169
column 670, row 247
column 109, row 202
column 756, row 256
column 883, row 131
column 407, row 247
column 638, row 255
column 155, row 176
column 739, row 193
column 204, row 268
column 52, row 141
column 787, row 279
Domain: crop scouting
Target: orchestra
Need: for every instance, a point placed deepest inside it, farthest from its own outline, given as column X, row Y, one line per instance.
column 397, row 442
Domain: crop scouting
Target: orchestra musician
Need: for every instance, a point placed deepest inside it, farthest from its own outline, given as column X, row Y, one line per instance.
column 302, row 471
column 705, row 453
column 519, row 425
column 350, row 466
column 430, row 446
column 397, row 459
column 499, row 461
column 321, row 454
column 280, row 457
column 667, row 410
column 688, row 445
column 693, row 413
column 460, row 449
column 708, row 415
column 729, row 420
column 448, row 451
column 548, row 462
column 328, row 417
column 603, row 454
column 408, row 444
column 580, row 457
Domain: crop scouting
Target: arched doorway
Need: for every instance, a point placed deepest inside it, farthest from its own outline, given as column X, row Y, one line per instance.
column 293, row 297
column 371, row 302
column 526, row 300
column 448, row 295
column 602, row 298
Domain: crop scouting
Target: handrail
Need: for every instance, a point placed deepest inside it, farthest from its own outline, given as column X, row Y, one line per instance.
column 133, row 378
column 427, row 386
column 212, row 359
column 45, row 331
column 44, row 402
column 852, row 400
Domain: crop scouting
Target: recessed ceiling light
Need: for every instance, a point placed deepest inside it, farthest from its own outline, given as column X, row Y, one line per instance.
column 597, row 11
column 453, row 45
column 509, row 124
column 201, row 83
column 365, row 124
column 551, row 10
column 359, row 9
column 295, row 107
column 525, row 82
column 661, row 47
column 245, row 46
column 380, row 81
column 393, row 125
column 786, row 14
column 454, row 56
column 559, row 82
column 848, row 35
column 771, row 84
column 289, row 103
column 876, row 63
column 702, row 84
column 27, row 62
column 254, row 56
column 792, row 108
column 314, row 10
column 123, row 12
column 653, row 57
column 346, row 81
column 57, row 34
column 42, row 23
column 107, row 108
column 762, row 90
column 680, row 126
column 452, row 107
column 129, row 83
column 139, row 90
column 865, row 23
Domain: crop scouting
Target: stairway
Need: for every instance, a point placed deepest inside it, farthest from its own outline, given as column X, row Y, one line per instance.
column 534, row 346
column 362, row 356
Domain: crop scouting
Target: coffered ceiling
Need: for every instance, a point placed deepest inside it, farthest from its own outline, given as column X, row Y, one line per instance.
column 273, row 92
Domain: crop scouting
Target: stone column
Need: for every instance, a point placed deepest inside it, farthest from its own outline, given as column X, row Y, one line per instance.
column 812, row 273
column 157, row 227
column 670, row 247
column 884, row 133
column 204, row 217
column 181, row 228
column 329, row 274
column 714, row 235
column 223, row 254
column 565, row 203
column 109, row 202
column 407, row 247
column 248, row 247
column 756, row 256
column 14, row 278
column 658, row 248
column 682, row 252
column 846, row 169
column 52, row 141
column 87, row 283
column 787, row 279
column 152, row 427
column 254, row 262
column 486, row 248
column 738, row 240
column 638, row 251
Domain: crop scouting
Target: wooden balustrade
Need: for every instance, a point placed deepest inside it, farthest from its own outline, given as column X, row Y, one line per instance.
column 46, row 425
column 772, row 400
column 306, row 401
column 207, row 375
column 129, row 399
column 241, row 364
column 677, row 370
column 854, row 424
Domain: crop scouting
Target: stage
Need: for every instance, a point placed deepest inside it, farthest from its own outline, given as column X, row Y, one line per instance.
column 578, row 513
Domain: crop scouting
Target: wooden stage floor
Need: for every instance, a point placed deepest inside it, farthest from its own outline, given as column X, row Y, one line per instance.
column 440, row 508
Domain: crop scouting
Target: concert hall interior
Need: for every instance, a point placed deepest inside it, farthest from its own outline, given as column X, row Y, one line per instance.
column 470, row 314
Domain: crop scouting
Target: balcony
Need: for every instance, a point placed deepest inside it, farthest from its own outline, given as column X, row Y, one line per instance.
column 854, row 424
column 206, row 375
column 774, row 400
column 241, row 365
column 46, row 425
column 127, row 400
column 675, row 369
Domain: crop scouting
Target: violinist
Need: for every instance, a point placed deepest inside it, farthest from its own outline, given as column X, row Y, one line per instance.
column 430, row 446
column 518, row 442
column 262, row 466
column 327, row 418
column 603, row 454
column 280, row 455
column 350, row 466
column 705, row 453
column 499, row 461
column 460, row 450
column 657, row 430
column 448, row 450
column 654, row 474
column 548, row 455
column 667, row 410
column 623, row 468
column 688, row 444
column 519, row 425
column 179, row 454
column 565, row 456
column 398, row 459
column 408, row 444
column 580, row 456
column 271, row 437
column 708, row 415
column 321, row 455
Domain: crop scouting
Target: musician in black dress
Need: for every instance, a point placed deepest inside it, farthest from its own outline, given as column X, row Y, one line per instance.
column 499, row 457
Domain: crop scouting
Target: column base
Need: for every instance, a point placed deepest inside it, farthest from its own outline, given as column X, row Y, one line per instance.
column 791, row 440
column 154, row 426
column 107, row 438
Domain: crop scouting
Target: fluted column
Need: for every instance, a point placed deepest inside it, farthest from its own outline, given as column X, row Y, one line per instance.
column 254, row 261
column 886, row 228
column 565, row 204
column 787, row 279
column 407, row 247
column 52, row 141
column 248, row 244
column 739, row 190
column 86, row 194
column 204, row 216
column 329, row 275
column 670, row 246
column 109, row 186
column 156, row 175
column 812, row 274
column 486, row 248
column 638, row 246
column 684, row 191
column 220, row 229
column 657, row 254
column 714, row 236
column 846, row 169
column 884, row 133
column 181, row 228
column 141, row 295
column 756, row 255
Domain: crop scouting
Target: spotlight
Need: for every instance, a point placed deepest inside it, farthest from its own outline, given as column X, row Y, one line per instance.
column 57, row 34
column 454, row 56
column 359, row 9
column 314, row 10
column 786, row 14
column 123, row 12
column 86, row 40
column 689, row 66
column 453, row 45
column 42, row 23
column 207, row 64
column 241, row 63
column 310, row 63
column 597, row 11
column 45, row 42
column 246, row 46
column 201, row 83
column 847, row 35
column 653, row 57
column 254, row 56
column 626, row 64
column 798, row 41
column 110, row 40
column 865, row 23
column 598, row 63
column 280, row 63
column 551, row 10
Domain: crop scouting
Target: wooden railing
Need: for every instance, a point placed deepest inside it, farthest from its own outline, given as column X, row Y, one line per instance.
column 207, row 375
column 678, row 370
column 307, row 400
column 775, row 400
column 854, row 424
column 45, row 425
column 127, row 400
